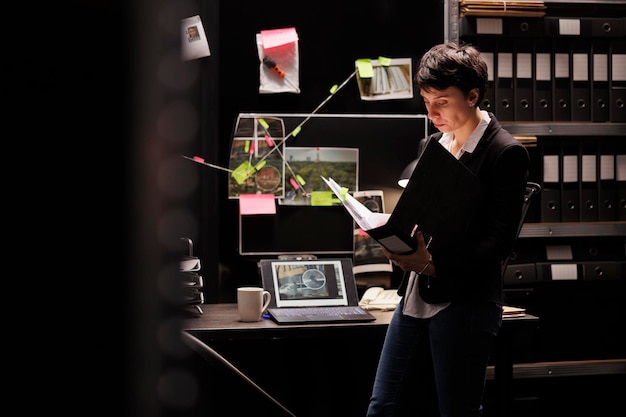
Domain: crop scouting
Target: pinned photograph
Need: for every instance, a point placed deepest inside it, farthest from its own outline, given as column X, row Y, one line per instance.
column 384, row 78
column 194, row 43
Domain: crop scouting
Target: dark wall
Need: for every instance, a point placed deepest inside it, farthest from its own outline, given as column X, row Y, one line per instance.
column 332, row 35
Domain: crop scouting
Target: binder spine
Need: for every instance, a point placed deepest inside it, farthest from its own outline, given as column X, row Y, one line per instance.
column 588, row 180
column 618, row 80
column 487, row 48
column 505, row 102
column 524, row 80
column 561, row 80
column 581, row 93
column 600, row 81
column 570, row 198
column 551, row 188
column 607, row 187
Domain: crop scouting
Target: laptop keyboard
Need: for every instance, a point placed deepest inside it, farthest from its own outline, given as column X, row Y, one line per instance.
column 325, row 311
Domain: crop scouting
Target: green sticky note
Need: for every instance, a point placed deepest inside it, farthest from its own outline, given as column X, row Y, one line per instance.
column 296, row 131
column 333, row 89
column 260, row 165
column 242, row 172
column 385, row 62
column 264, row 123
column 344, row 191
column 364, row 66
column 322, row 198
column 300, row 179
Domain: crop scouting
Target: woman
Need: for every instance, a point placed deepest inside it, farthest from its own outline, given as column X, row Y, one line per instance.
column 452, row 304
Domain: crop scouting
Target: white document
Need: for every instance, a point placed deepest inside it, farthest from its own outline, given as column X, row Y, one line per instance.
column 364, row 217
column 194, row 43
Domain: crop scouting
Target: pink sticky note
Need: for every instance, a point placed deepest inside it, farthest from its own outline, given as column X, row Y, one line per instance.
column 278, row 37
column 257, row 204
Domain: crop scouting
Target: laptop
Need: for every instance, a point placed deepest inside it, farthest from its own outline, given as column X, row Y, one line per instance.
column 312, row 291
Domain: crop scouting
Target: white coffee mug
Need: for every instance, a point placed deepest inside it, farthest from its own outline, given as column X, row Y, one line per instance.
column 251, row 302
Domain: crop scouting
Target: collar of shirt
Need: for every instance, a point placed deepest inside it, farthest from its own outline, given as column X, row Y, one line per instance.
column 474, row 138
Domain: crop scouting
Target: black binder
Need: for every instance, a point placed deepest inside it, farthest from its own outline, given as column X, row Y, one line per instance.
column 588, row 175
column 561, row 76
column 523, row 80
column 543, row 80
column 580, row 70
column 620, row 178
column 487, row 47
column 505, row 100
column 550, row 185
column 600, row 81
column 514, row 27
column 618, row 80
column 570, row 199
column 441, row 198
column 585, row 26
column 607, row 185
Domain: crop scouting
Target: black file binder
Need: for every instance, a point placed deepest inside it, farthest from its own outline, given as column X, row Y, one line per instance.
column 523, row 80
column 550, row 185
column 620, row 178
column 570, row 198
column 618, row 80
column 608, row 26
column 607, row 185
column 505, row 100
column 507, row 26
column 441, row 197
column 581, row 92
column 542, row 106
column 588, row 175
column 561, row 76
column 600, row 80
column 524, row 27
column 585, row 27
column 487, row 47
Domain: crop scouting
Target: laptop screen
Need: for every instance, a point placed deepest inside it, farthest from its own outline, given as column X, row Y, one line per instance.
column 305, row 283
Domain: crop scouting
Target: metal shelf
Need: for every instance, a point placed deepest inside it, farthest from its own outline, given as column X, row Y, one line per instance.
column 451, row 12
column 597, row 229
column 565, row 128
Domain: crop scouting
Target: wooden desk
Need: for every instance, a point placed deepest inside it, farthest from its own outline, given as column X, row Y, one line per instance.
column 347, row 353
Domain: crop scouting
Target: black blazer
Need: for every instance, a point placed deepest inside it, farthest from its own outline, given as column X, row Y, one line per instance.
column 469, row 267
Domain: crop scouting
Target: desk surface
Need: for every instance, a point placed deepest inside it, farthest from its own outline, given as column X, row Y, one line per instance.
column 224, row 318
column 219, row 325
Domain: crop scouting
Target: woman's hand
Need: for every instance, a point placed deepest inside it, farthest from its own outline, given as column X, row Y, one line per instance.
column 417, row 261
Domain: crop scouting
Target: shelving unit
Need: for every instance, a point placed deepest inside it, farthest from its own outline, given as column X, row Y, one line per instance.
column 553, row 129
column 592, row 274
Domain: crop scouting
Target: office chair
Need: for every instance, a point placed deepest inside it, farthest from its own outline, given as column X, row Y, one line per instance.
column 532, row 188
column 262, row 405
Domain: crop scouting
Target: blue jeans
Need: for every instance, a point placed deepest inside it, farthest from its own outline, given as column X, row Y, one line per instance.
column 460, row 338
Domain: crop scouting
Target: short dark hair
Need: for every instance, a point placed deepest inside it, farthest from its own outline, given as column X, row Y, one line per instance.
column 450, row 64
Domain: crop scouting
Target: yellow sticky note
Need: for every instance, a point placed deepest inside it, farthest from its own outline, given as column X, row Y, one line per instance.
column 385, row 62
column 242, row 172
column 364, row 66
column 300, row 179
column 296, row 131
column 322, row 198
column 333, row 89
column 344, row 191
column 264, row 123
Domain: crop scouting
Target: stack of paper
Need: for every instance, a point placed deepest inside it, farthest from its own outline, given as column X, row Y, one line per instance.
column 510, row 311
column 529, row 8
